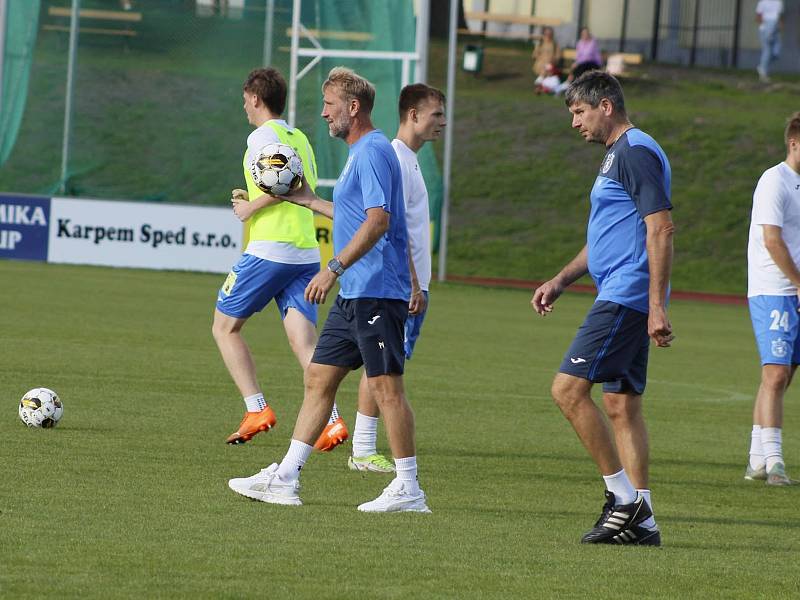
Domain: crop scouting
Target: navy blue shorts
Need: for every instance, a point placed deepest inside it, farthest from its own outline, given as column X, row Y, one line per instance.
column 364, row 331
column 611, row 347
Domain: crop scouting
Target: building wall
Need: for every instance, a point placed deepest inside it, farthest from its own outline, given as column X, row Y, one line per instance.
column 714, row 39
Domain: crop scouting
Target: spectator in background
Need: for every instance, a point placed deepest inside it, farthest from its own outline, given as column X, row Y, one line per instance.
column 545, row 53
column 550, row 82
column 587, row 58
column 769, row 16
column 587, row 54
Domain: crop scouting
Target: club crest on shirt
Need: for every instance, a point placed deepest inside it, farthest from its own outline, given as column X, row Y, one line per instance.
column 780, row 348
column 607, row 163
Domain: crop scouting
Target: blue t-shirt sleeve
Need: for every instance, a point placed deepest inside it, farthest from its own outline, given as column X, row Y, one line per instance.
column 374, row 176
column 644, row 179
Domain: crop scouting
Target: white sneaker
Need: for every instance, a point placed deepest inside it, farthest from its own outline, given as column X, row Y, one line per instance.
column 266, row 486
column 396, row 498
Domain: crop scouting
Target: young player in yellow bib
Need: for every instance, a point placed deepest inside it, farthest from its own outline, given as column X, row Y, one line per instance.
column 281, row 258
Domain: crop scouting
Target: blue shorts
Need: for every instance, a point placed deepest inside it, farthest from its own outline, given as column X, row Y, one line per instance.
column 611, row 347
column 413, row 327
column 775, row 324
column 253, row 282
column 364, row 331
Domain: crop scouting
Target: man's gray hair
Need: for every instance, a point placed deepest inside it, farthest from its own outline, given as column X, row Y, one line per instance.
column 592, row 87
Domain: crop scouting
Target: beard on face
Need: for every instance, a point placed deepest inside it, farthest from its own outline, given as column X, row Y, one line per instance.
column 340, row 127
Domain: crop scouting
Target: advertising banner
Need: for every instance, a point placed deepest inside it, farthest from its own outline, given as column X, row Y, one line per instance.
column 143, row 235
column 24, row 223
column 324, row 228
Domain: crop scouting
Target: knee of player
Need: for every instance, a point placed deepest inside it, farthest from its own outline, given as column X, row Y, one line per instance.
column 617, row 409
column 776, row 377
column 565, row 395
column 224, row 325
column 388, row 400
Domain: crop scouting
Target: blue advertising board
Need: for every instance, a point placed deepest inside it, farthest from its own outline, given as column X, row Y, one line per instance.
column 24, row 226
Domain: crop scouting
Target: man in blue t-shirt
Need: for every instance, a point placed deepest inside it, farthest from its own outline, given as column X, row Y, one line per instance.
column 628, row 253
column 366, row 324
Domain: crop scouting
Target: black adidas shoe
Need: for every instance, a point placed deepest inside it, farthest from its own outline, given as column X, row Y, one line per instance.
column 607, row 508
column 637, row 536
column 616, row 519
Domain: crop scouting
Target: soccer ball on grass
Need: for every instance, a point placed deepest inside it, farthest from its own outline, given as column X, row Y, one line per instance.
column 40, row 407
column 277, row 169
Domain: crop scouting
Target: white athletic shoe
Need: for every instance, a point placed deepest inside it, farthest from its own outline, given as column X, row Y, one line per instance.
column 266, row 486
column 396, row 498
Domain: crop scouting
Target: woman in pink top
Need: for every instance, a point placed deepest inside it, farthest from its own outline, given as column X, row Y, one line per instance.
column 587, row 54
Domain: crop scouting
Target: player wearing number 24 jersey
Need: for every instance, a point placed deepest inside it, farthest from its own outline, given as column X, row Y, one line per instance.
column 773, row 279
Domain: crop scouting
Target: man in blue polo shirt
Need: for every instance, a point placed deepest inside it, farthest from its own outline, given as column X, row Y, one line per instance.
column 628, row 253
column 366, row 324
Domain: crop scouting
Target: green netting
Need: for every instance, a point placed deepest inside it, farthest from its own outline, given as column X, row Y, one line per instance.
column 157, row 109
column 21, row 26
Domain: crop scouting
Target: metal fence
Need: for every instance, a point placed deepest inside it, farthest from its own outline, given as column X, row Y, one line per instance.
column 708, row 33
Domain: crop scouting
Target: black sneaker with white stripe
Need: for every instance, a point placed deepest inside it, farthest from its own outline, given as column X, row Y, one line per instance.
column 638, row 536
column 617, row 519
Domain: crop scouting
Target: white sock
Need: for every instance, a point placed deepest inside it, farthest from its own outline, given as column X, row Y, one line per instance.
column 407, row 473
column 295, row 458
column 619, row 485
column 772, row 445
column 756, row 450
column 365, row 436
column 334, row 414
column 255, row 403
column 651, row 522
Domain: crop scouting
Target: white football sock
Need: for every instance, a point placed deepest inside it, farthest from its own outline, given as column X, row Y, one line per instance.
column 619, row 485
column 365, row 436
column 756, row 450
column 407, row 473
column 255, row 403
column 334, row 414
column 295, row 458
column 651, row 522
column 772, row 445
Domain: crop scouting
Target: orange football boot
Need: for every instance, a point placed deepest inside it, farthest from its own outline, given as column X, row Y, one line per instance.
column 253, row 423
column 334, row 434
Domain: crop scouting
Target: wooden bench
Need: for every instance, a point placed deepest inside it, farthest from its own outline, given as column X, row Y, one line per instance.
column 617, row 60
column 124, row 18
column 508, row 19
column 500, row 34
column 330, row 34
column 630, row 58
column 530, row 21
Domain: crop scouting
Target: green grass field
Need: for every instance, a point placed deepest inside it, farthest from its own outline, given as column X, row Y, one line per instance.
column 127, row 497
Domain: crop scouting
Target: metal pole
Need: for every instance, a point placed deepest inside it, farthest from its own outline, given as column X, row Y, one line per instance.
column 581, row 17
column 268, row 19
column 656, row 27
column 73, row 51
column 448, row 140
column 693, row 53
column 296, row 7
column 622, row 34
column 423, row 35
column 3, row 16
column 737, row 22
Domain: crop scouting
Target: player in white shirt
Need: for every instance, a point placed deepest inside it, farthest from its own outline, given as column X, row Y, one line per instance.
column 769, row 16
column 422, row 119
column 773, row 286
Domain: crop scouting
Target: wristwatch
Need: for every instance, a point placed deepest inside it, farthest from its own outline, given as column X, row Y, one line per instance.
column 334, row 266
